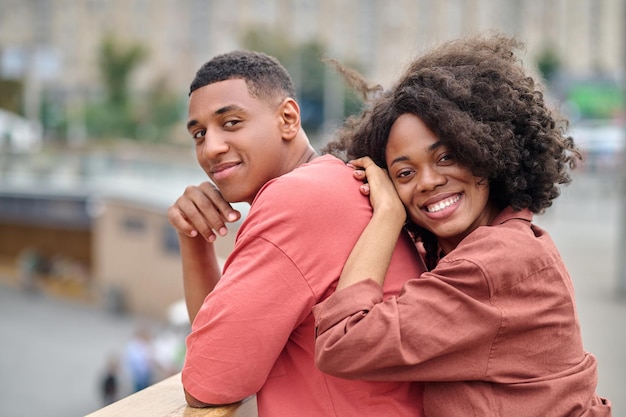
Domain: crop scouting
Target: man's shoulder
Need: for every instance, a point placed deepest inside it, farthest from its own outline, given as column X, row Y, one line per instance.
column 322, row 168
column 321, row 189
column 325, row 176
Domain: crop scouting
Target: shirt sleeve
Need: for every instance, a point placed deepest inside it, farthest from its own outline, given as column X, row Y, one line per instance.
column 439, row 328
column 244, row 324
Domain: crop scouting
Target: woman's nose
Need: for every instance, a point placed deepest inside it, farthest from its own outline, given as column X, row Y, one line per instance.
column 430, row 178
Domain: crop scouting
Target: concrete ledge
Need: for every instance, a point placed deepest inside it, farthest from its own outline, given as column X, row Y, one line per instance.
column 166, row 399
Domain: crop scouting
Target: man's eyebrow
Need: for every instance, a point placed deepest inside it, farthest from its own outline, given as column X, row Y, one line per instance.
column 221, row 110
column 230, row 107
column 191, row 124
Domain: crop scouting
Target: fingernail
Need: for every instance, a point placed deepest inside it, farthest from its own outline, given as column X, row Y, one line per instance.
column 223, row 231
column 232, row 217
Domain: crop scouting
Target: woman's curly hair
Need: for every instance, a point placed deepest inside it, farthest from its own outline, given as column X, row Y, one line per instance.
column 474, row 94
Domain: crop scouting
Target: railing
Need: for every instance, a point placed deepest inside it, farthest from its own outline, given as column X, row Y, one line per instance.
column 166, row 399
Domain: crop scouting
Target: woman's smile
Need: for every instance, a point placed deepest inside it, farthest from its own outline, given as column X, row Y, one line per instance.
column 438, row 207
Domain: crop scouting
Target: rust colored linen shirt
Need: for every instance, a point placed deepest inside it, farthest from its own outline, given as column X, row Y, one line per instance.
column 493, row 329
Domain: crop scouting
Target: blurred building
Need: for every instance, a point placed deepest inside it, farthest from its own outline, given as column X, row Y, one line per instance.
column 53, row 44
column 117, row 238
column 94, row 228
column 136, row 258
column 18, row 134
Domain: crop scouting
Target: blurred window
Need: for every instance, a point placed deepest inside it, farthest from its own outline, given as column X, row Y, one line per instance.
column 133, row 224
column 170, row 240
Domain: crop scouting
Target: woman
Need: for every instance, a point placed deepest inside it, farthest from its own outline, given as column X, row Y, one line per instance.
column 492, row 327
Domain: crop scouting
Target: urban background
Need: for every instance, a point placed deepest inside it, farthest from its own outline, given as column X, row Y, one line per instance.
column 93, row 150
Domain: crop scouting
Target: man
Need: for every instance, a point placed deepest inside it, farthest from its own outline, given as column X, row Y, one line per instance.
column 253, row 330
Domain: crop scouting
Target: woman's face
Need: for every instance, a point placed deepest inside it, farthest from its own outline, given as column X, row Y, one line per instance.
column 440, row 195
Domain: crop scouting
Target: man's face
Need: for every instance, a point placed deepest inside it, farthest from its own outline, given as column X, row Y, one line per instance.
column 238, row 138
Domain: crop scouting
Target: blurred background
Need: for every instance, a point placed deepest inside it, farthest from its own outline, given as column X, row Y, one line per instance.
column 93, row 150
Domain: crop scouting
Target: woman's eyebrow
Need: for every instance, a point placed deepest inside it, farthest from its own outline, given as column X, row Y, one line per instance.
column 435, row 146
column 431, row 148
column 399, row 159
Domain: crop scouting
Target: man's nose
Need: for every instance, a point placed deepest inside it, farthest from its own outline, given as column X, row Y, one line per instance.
column 213, row 145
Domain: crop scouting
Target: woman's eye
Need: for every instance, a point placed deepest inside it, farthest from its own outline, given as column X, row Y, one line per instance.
column 403, row 174
column 199, row 134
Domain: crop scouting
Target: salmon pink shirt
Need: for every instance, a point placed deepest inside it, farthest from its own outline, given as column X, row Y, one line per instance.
column 255, row 333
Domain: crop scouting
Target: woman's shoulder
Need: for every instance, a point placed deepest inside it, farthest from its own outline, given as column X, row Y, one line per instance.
column 514, row 245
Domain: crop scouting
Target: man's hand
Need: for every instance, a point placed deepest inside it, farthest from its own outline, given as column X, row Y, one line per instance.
column 202, row 210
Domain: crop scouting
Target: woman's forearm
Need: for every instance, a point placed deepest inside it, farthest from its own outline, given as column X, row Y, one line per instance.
column 372, row 253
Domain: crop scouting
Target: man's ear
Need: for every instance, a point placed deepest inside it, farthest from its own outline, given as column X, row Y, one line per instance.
column 290, row 118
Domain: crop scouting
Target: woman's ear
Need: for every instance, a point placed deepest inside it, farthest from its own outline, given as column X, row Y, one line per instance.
column 290, row 118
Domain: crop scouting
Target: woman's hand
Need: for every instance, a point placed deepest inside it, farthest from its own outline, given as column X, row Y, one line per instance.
column 372, row 253
column 379, row 188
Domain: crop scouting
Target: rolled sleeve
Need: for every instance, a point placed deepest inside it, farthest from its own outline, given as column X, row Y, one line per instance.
column 356, row 299
column 335, row 350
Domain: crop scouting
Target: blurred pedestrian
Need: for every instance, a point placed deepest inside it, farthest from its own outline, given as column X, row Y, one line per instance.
column 109, row 384
column 139, row 358
column 29, row 261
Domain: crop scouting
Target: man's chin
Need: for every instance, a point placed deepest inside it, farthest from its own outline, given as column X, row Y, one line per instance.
column 233, row 196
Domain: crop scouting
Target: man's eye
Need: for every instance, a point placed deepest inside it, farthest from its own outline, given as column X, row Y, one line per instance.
column 231, row 123
column 199, row 134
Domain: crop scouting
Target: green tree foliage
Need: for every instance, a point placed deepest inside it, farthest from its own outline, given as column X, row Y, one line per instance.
column 548, row 63
column 11, row 92
column 125, row 112
column 117, row 62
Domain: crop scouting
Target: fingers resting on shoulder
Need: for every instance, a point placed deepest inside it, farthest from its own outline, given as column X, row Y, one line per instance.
column 366, row 170
column 201, row 210
column 377, row 185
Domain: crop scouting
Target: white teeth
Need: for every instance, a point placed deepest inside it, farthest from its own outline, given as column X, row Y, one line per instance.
column 433, row 208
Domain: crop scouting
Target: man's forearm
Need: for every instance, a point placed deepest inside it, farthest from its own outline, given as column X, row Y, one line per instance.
column 201, row 271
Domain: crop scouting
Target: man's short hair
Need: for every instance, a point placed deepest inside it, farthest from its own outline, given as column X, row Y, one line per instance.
column 265, row 77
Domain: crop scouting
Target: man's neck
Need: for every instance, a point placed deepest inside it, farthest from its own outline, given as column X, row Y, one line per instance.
column 309, row 155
